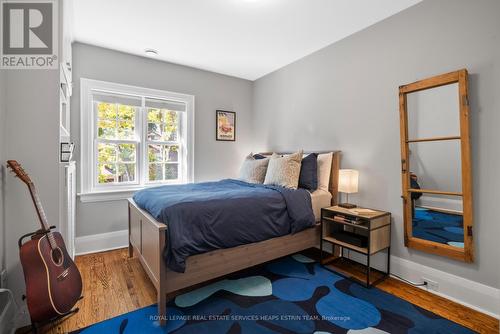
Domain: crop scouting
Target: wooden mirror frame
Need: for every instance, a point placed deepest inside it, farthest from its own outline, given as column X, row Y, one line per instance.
column 467, row 253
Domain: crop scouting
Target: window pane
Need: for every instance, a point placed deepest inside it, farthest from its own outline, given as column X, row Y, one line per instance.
column 126, row 152
column 106, row 129
column 126, row 130
column 126, row 172
column 171, row 122
column 155, row 153
column 156, row 172
column 154, row 116
column 106, row 110
column 126, row 112
column 154, row 131
column 171, row 171
column 106, row 153
column 163, row 125
column 106, row 173
column 171, row 153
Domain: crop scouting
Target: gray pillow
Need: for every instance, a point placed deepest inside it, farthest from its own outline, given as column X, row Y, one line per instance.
column 253, row 170
column 284, row 171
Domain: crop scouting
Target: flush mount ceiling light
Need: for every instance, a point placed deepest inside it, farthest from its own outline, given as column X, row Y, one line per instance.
column 151, row 52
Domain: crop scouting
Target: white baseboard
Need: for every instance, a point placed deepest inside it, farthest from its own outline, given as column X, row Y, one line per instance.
column 477, row 296
column 101, row 242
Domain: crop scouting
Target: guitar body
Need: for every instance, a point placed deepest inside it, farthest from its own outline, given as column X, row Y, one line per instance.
column 53, row 282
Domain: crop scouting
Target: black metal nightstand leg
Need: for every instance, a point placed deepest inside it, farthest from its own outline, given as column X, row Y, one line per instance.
column 388, row 261
column 368, row 271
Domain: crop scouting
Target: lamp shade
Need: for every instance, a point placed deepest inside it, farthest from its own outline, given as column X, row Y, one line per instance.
column 348, row 181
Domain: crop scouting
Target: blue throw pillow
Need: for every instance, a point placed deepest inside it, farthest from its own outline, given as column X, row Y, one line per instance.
column 259, row 156
column 308, row 178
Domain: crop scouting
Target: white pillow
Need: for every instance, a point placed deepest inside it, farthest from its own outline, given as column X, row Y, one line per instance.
column 284, row 171
column 324, row 170
column 253, row 170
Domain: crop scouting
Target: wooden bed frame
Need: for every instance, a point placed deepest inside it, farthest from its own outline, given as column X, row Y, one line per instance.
column 147, row 239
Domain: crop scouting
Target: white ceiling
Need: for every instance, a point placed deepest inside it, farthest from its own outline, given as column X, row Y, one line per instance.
column 242, row 38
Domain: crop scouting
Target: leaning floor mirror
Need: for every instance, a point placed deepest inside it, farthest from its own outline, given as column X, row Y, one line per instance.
column 436, row 165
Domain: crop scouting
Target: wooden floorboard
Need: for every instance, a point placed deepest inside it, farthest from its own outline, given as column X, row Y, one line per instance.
column 115, row 284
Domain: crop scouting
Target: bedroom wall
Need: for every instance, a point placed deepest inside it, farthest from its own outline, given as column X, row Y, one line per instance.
column 213, row 160
column 345, row 97
column 32, row 132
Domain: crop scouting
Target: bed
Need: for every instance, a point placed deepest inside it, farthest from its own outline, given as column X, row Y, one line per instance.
column 148, row 239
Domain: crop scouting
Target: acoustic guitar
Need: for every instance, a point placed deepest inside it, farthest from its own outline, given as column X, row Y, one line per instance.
column 53, row 282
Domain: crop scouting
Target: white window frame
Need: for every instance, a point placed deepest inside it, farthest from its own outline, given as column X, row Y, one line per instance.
column 90, row 190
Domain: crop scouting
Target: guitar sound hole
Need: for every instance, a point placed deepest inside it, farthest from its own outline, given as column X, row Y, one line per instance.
column 57, row 256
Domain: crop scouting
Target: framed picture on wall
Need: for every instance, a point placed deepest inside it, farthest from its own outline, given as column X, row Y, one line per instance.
column 226, row 125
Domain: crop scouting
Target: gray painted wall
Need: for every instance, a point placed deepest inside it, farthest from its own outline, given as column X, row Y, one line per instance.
column 32, row 116
column 345, row 96
column 213, row 160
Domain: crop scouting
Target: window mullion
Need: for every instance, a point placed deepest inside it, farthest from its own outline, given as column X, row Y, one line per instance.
column 116, row 141
column 171, row 143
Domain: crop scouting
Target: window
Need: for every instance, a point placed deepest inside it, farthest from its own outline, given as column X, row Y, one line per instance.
column 132, row 138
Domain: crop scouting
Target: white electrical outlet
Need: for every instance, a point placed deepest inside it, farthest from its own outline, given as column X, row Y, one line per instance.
column 431, row 285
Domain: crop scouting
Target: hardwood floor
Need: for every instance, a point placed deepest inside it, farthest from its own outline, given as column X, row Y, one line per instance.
column 115, row 284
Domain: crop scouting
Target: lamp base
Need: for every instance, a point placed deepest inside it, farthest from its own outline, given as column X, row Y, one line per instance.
column 347, row 205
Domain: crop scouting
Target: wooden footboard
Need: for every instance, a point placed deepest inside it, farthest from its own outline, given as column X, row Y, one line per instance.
column 147, row 240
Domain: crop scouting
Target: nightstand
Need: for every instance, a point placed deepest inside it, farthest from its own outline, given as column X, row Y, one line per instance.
column 361, row 230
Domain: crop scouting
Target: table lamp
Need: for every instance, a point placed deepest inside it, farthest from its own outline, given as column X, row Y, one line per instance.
column 348, row 184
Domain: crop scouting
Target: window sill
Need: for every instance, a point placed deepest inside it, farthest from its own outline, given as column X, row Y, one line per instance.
column 106, row 196
column 115, row 194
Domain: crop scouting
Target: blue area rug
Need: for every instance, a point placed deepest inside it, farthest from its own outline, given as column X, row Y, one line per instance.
column 290, row 295
column 441, row 227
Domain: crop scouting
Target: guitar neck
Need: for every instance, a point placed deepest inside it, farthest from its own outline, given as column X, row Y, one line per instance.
column 39, row 209
column 42, row 216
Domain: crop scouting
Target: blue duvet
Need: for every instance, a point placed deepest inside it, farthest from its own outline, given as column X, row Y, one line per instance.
column 205, row 216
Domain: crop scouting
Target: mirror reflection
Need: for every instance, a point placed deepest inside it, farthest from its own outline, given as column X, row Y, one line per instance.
column 435, row 165
column 434, row 112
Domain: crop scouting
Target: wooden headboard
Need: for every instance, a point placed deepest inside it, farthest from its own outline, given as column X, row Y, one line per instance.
column 333, row 187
